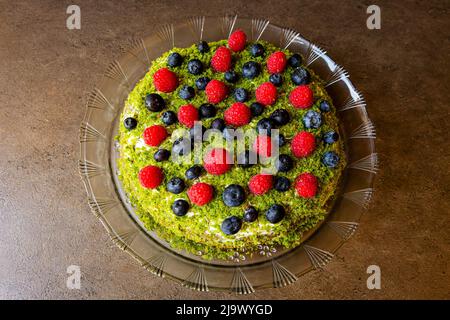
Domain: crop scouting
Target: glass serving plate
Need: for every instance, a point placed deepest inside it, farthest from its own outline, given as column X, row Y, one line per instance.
column 242, row 273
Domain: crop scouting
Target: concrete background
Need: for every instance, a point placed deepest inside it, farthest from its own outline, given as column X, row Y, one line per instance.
column 46, row 72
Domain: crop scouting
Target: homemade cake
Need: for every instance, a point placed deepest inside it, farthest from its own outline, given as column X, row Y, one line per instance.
column 205, row 194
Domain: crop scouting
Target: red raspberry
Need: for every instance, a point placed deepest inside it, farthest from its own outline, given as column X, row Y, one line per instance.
column 266, row 94
column 303, row 144
column 276, row 62
column 216, row 91
column 200, row 193
column 187, row 115
column 150, row 177
column 217, row 161
column 154, row 135
column 302, row 97
column 260, row 184
column 165, row 80
column 221, row 60
column 237, row 115
column 263, row 146
column 237, row 40
column 306, row 185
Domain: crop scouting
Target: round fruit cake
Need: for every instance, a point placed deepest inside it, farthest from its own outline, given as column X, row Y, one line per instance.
column 194, row 180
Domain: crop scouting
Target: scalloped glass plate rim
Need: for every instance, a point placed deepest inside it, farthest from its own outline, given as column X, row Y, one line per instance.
column 279, row 270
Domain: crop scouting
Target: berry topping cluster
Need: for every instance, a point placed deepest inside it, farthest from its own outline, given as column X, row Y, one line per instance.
column 221, row 80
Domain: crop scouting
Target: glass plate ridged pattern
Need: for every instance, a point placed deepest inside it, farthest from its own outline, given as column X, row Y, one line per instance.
column 241, row 274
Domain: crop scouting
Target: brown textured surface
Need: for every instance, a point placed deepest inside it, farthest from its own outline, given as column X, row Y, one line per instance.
column 47, row 71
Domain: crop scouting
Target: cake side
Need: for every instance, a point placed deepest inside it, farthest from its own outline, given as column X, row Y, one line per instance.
column 201, row 228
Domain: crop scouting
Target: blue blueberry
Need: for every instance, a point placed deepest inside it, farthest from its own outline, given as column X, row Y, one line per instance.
column 130, row 123
column 250, row 214
column 203, row 47
column 295, row 60
column 246, row 159
column 186, row 93
column 194, row 172
column 233, row 195
column 284, row 163
column 169, row 117
column 251, row 70
column 174, row 60
column 231, row 225
column 181, row 146
column 154, row 102
column 257, row 50
column 300, row 76
column 161, row 155
column 312, row 119
column 180, row 207
column 324, row 106
column 275, row 213
column 257, row 109
column 330, row 137
column 280, row 117
column 175, row 185
column 276, row 79
column 281, row 140
column 195, row 66
column 201, row 83
column 218, row 124
column 330, row 159
column 281, row 184
column 207, row 110
column 231, row 76
column 240, row 94
column 265, row 126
